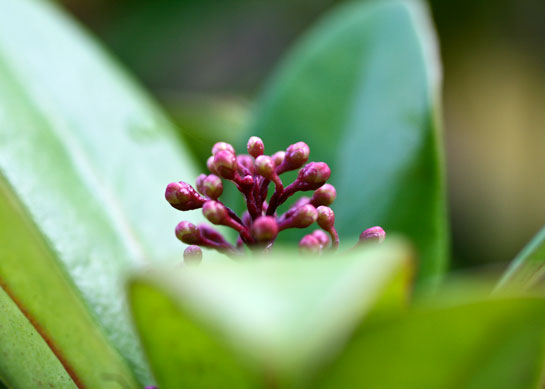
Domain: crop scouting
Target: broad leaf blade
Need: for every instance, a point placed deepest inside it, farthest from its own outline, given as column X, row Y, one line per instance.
column 362, row 89
column 277, row 319
column 486, row 344
column 84, row 159
column 528, row 268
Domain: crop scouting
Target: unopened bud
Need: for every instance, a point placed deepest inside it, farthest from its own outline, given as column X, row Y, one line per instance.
column 192, row 255
column 304, row 216
column 264, row 229
column 373, row 234
column 315, row 173
column 265, row 166
column 210, row 165
column 310, row 244
column 247, row 162
column 222, row 146
column 212, row 186
column 225, row 163
column 215, row 212
column 188, row 233
column 199, row 182
column 255, row 146
column 296, row 155
column 182, row 196
column 326, row 217
column 324, row 195
column 322, row 237
column 278, row 157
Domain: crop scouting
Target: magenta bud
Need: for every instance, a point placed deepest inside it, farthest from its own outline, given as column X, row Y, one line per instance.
column 326, row 217
column 373, row 234
column 310, row 244
column 315, row 173
column 247, row 162
column 215, row 212
column 212, row 186
column 265, row 166
column 223, row 146
column 225, row 163
column 182, row 196
column 324, row 195
column 278, row 157
column 264, row 229
column 192, row 255
column 188, row 233
column 296, row 155
column 198, row 183
column 304, row 216
column 255, row 146
column 322, row 237
column 210, row 165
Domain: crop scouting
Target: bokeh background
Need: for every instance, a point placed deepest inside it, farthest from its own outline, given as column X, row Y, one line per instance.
column 206, row 61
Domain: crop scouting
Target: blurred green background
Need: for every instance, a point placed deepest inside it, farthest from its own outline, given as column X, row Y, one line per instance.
column 206, row 60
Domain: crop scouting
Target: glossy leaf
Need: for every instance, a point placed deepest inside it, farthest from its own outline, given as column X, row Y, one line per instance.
column 362, row 89
column 528, row 268
column 84, row 159
column 269, row 322
column 486, row 344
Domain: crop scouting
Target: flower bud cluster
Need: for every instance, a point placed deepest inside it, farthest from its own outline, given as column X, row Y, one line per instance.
column 257, row 228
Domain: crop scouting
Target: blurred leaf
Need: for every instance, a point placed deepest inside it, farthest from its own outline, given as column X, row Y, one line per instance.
column 203, row 121
column 267, row 322
column 362, row 89
column 84, row 159
column 486, row 344
column 528, row 268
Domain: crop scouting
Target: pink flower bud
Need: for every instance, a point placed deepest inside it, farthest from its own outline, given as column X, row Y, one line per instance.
column 199, row 182
column 264, row 229
column 310, row 244
column 215, row 212
column 225, row 163
column 278, row 157
column 192, row 255
column 255, row 146
column 301, row 217
column 296, row 155
column 315, row 173
column 326, row 217
column 210, row 165
column 223, row 146
column 188, row 233
column 245, row 162
column 322, row 237
column 264, row 166
column 373, row 234
column 324, row 195
column 182, row 196
column 212, row 186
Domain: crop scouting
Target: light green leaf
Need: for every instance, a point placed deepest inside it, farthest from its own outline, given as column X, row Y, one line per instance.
column 84, row 159
column 362, row 89
column 485, row 344
column 266, row 322
column 528, row 268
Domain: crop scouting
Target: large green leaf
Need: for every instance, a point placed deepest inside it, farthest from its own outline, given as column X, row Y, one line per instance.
column 485, row 344
column 84, row 159
column 263, row 323
column 362, row 89
column 528, row 268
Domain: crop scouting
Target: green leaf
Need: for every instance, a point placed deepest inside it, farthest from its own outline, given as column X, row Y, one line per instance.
column 362, row 89
column 269, row 322
column 22, row 346
column 484, row 344
column 528, row 268
column 84, row 159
